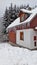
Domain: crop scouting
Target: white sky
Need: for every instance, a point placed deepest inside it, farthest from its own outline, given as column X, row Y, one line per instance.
column 4, row 3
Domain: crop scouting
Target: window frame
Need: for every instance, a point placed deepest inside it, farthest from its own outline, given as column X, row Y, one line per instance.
column 22, row 36
column 34, row 37
column 35, row 43
column 35, row 40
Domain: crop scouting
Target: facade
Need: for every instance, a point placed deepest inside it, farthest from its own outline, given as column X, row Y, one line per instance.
column 23, row 31
column 29, row 38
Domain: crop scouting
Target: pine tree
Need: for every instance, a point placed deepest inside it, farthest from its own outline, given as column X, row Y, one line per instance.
column 5, row 23
column 10, row 14
column 6, row 18
column 15, row 12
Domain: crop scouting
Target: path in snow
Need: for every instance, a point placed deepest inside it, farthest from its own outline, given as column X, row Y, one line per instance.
column 10, row 55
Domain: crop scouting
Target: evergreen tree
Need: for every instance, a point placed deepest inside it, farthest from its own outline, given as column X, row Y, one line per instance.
column 10, row 14
column 5, row 23
column 15, row 12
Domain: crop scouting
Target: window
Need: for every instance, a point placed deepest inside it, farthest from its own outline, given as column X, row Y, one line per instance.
column 34, row 37
column 21, row 36
column 35, row 40
column 34, row 43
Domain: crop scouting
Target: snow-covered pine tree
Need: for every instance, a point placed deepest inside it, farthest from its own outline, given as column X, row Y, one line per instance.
column 15, row 12
column 10, row 14
column 5, row 18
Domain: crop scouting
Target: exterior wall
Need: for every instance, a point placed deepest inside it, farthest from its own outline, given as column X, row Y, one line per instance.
column 33, row 23
column 27, row 39
column 12, row 37
column 33, row 33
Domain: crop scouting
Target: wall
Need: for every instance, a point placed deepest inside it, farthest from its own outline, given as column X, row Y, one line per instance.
column 33, row 23
column 27, row 38
column 12, row 37
column 33, row 33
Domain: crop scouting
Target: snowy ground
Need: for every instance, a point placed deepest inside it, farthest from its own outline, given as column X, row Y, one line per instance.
column 10, row 55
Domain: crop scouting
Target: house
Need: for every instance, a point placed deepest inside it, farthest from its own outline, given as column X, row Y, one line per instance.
column 23, row 31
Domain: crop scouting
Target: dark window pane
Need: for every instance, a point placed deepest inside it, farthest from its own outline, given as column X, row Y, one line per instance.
column 21, row 36
column 34, row 37
column 34, row 43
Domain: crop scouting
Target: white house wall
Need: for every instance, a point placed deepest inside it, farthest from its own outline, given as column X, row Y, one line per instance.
column 27, row 38
column 33, row 33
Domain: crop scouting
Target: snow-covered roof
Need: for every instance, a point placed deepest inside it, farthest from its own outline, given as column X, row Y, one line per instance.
column 29, row 11
column 17, row 21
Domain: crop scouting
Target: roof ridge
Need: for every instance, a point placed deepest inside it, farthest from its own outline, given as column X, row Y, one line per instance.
column 30, row 11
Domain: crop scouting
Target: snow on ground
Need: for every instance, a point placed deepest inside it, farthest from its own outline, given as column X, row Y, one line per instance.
column 10, row 55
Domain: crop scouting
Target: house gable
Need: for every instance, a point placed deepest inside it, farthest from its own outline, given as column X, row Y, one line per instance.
column 23, row 16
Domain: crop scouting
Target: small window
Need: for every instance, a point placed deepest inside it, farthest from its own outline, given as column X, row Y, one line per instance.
column 21, row 36
column 34, row 37
column 34, row 43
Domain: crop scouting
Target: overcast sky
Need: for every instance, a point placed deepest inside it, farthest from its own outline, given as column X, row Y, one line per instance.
column 4, row 3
